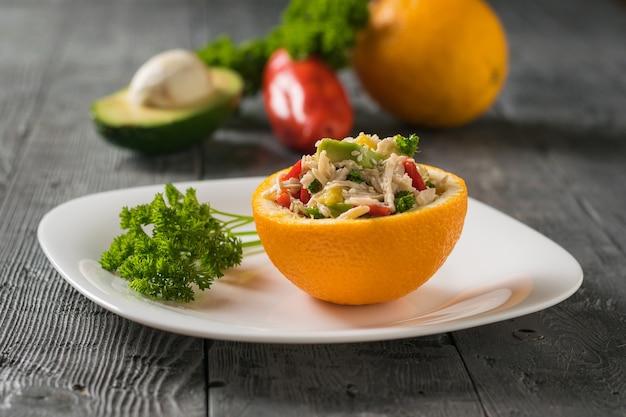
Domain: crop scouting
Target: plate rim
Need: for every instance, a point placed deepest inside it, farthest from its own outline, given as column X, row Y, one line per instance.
column 326, row 336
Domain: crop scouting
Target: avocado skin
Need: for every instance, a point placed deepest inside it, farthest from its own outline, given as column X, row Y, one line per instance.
column 167, row 138
column 171, row 135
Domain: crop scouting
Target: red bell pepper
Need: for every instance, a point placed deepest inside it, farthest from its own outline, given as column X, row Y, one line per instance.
column 305, row 195
column 284, row 199
column 304, row 101
column 376, row 210
column 416, row 179
column 294, row 172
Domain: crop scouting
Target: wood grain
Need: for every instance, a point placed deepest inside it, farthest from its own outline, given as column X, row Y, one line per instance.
column 578, row 365
column 61, row 354
column 413, row 377
column 551, row 153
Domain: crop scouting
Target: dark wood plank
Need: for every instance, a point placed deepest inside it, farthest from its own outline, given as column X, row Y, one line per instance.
column 321, row 380
column 554, row 166
column 61, row 353
column 24, row 56
column 549, row 153
column 566, row 64
column 572, row 363
column 578, row 363
column 538, row 156
column 413, row 377
column 532, row 174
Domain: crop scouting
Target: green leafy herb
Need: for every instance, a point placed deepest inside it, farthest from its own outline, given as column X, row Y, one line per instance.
column 407, row 146
column 404, row 201
column 174, row 243
column 315, row 186
column 355, row 176
column 324, row 28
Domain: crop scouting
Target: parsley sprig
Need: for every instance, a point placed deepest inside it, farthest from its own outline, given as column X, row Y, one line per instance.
column 407, row 145
column 323, row 28
column 174, row 243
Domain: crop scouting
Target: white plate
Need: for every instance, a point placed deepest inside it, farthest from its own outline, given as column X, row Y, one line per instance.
column 499, row 269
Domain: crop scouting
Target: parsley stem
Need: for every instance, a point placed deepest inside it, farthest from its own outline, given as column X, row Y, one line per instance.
column 251, row 243
column 249, row 233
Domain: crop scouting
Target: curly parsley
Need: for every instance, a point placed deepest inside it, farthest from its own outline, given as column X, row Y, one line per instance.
column 407, row 145
column 174, row 243
column 323, row 28
column 404, row 201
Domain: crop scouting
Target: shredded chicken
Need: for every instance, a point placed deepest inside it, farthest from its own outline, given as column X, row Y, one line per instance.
column 351, row 185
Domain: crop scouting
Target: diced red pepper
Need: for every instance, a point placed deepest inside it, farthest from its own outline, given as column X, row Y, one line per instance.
column 305, row 195
column 294, row 172
column 284, row 199
column 417, row 181
column 376, row 210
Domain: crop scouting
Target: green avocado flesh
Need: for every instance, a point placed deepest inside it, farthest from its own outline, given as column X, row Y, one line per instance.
column 154, row 131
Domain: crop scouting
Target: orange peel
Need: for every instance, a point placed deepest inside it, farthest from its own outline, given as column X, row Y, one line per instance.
column 365, row 260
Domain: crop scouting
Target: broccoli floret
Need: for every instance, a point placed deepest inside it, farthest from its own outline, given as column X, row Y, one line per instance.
column 355, row 176
column 324, row 28
column 404, row 201
column 407, row 146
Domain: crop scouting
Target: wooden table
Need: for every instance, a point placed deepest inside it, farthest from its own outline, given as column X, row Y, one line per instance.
column 551, row 153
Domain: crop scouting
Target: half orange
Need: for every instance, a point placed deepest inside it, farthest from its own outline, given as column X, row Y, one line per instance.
column 365, row 260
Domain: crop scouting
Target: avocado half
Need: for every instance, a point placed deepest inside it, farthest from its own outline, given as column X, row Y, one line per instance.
column 155, row 131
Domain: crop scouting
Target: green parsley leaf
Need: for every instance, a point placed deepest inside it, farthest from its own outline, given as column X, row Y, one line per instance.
column 404, row 201
column 407, row 146
column 355, row 176
column 174, row 244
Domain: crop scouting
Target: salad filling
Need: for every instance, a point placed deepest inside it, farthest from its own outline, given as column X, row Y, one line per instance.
column 362, row 176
